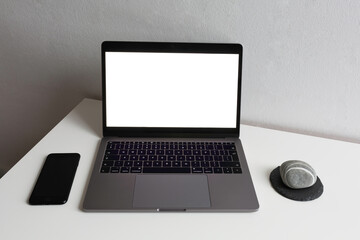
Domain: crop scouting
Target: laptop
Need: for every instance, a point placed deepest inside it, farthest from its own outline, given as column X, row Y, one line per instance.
column 171, row 125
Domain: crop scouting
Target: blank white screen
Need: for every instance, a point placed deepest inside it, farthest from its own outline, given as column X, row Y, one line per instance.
column 184, row 90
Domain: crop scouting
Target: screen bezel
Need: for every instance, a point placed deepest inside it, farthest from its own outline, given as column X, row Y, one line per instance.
column 170, row 47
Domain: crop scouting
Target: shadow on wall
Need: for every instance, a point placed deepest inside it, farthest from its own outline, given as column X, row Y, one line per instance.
column 40, row 84
column 35, row 113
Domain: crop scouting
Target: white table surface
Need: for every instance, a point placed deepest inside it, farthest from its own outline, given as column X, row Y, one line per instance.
column 335, row 215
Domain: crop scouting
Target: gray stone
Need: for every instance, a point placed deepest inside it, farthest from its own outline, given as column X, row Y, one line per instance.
column 297, row 174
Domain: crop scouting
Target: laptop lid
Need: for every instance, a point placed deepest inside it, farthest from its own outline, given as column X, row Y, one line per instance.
column 153, row 89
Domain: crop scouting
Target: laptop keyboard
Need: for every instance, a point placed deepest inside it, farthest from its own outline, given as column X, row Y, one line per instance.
column 171, row 157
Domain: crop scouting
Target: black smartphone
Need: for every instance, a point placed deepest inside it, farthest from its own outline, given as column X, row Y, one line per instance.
column 55, row 180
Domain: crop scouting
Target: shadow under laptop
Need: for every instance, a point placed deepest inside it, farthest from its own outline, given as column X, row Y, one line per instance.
column 88, row 179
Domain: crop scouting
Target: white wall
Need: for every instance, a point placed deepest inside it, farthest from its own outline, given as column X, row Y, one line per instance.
column 301, row 59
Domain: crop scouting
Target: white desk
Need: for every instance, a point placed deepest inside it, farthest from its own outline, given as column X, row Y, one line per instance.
column 335, row 215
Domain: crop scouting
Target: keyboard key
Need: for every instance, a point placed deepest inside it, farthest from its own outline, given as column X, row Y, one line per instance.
column 187, row 152
column 115, row 170
column 230, row 146
column 130, row 146
column 205, row 152
column 128, row 164
column 166, row 170
column 119, row 163
column 176, row 164
column 136, row 170
column 124, row 157
column 111, row 146
column 165, row 146
column 143, row 157
column 183, row 147
column 125, row 170
column 123, row 152
column 157, row 164
column 218, row 170
column 210, row 147
column 108, row 163
column 180, row 158
column 171, row 158
column 214, row 152
column 229, row 164
column 111, row 157
column 147, row 164
column 235, row 157
column 105, row 169
column 200, row 147
column 167, row 164
column 208, row 170
column 178, row 152
column 169, row 152
column 195, row 164
column 111, row 152
column 132, row 152
column 160, row 152
column 156, row 146
column 237, row 170
column 219, row 147
column 232, row 153
column 134, row 157
column 197, row 170
column 227, row 170
column 199, row 158
column 138, row 164
column 205, row 164
column 185, row 164
column 214, row 164
column 196, row 152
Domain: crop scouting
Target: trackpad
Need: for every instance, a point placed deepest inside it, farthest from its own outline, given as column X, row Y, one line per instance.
column 171, row 192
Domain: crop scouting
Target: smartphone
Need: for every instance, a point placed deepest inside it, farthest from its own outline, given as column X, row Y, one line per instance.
column 55, row 180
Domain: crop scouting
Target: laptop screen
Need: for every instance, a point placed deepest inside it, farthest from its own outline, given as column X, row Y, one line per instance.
column 189, row 90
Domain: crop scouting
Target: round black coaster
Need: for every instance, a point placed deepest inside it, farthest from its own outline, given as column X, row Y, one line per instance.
column 305, row 194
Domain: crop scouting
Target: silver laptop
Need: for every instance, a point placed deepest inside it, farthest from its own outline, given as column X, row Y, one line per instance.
column 171, row 124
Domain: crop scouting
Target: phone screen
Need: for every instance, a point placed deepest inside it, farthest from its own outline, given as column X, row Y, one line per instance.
column 55, row 180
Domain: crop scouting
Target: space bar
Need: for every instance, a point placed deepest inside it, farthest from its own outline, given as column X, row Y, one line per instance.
column 166, row 170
